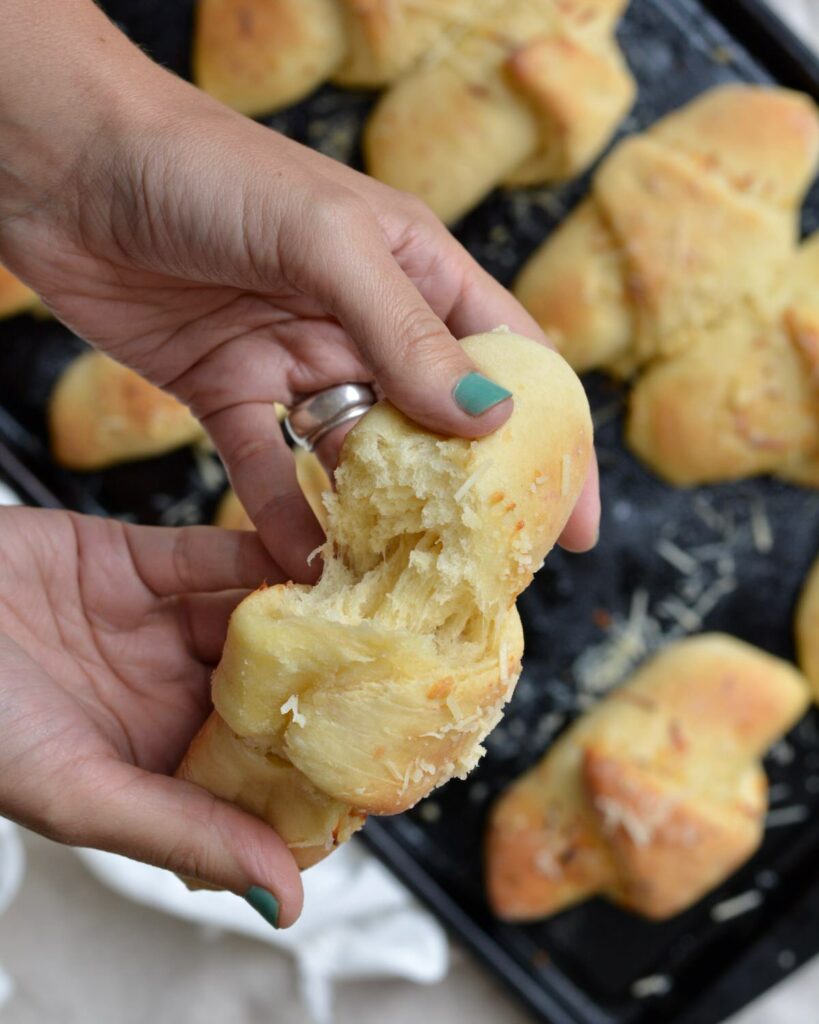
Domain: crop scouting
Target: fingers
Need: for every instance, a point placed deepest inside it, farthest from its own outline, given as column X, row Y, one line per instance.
column 199, row 559
column 178, row 826
column 416, row 361
column 483, row 303
column 263, row 474
column 205, row 622
column 581, row 532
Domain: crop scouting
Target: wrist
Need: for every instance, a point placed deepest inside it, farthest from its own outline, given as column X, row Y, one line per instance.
column 68, row 82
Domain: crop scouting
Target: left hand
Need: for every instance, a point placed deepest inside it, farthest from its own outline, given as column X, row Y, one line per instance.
column 108, row 636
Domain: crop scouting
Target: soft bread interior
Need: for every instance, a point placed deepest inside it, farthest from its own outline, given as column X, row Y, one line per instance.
column 380, row 682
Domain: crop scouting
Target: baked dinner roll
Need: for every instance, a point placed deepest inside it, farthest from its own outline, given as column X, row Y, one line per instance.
column 682, row 268
column 14, row 296
column 529, row 92
column 101, row 413
column 654, row 796
column 312, row 478
column 807, row 629
column 260, row 55
column 362, row 694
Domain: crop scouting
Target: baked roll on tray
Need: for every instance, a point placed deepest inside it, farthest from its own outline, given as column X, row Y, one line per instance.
column 15, row 297
column 100, row 413
column 363, row 693
column 483, row 92
column 682, row 270
column 654, row 796
column 259, row 55
column 529, row 93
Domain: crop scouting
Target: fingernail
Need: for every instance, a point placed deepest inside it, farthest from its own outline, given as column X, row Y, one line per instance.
column 264, row 903
column 475, row 393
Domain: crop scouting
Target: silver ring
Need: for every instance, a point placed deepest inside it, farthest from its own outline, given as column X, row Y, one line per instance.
column 315, row 416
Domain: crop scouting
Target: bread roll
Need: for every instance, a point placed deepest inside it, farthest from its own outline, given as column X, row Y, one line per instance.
column 257, row 55
column 362, row 694
column 682, row 268
column 529, row 93
column 14, row 296
column 260, row 55
column 654, row 796
column 101, row 413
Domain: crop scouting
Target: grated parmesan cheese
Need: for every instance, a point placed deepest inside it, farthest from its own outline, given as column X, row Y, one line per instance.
column 761, row 531
column 782, row 816
column 471, row 480
column 736, row 905
column 651, row 985
column 675, row 556
column 292, row 705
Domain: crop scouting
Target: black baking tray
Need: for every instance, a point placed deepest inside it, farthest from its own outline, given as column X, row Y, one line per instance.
column 753, row 543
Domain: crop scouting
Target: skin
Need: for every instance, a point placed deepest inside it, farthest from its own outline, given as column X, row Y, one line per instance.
column 233, row 268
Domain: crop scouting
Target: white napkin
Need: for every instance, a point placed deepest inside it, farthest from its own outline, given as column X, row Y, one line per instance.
column 358, row 921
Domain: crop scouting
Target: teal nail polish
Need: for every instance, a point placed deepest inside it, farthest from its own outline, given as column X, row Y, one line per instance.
column 475, row 393
column 264, row 903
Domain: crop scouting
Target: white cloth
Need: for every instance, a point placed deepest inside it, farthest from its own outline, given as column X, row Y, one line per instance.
column 358, row 921
column 12, row 868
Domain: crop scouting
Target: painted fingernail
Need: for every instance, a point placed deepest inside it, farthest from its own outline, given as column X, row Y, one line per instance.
column 264, row 903
column 475, row 393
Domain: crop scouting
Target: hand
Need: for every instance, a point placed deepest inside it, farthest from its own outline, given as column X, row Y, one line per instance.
column 228, row 264
column 108, row 635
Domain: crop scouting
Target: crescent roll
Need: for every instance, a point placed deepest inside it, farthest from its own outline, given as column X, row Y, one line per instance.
column 682, row 270
column 529, row 92
column 654, row 796
column 101, row 413
column 260, row 55
column 363, row 693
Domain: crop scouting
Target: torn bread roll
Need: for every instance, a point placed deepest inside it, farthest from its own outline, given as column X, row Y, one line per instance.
column 682, row 271
column 654, row 796
column 260, row 55
column 362, row 694
column 528, row 92
column 101, row 413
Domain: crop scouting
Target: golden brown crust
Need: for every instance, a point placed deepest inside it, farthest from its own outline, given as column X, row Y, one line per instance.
column 15, row 297
column 683, row 266
column 654, row 796
column 101, row 413
column 527, row 92
column 379, row 683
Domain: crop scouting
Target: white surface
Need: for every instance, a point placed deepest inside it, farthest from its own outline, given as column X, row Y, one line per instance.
column 358, row 921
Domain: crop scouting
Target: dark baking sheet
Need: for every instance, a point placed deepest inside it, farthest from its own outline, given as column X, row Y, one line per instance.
column 753, row 543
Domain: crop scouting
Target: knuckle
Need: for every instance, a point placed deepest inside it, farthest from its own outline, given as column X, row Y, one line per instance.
column 182, row 560
column 281, row 507
column 335, row 213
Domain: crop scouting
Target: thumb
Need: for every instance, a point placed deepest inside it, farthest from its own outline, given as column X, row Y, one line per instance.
column 176, row 825
column 417, row 363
